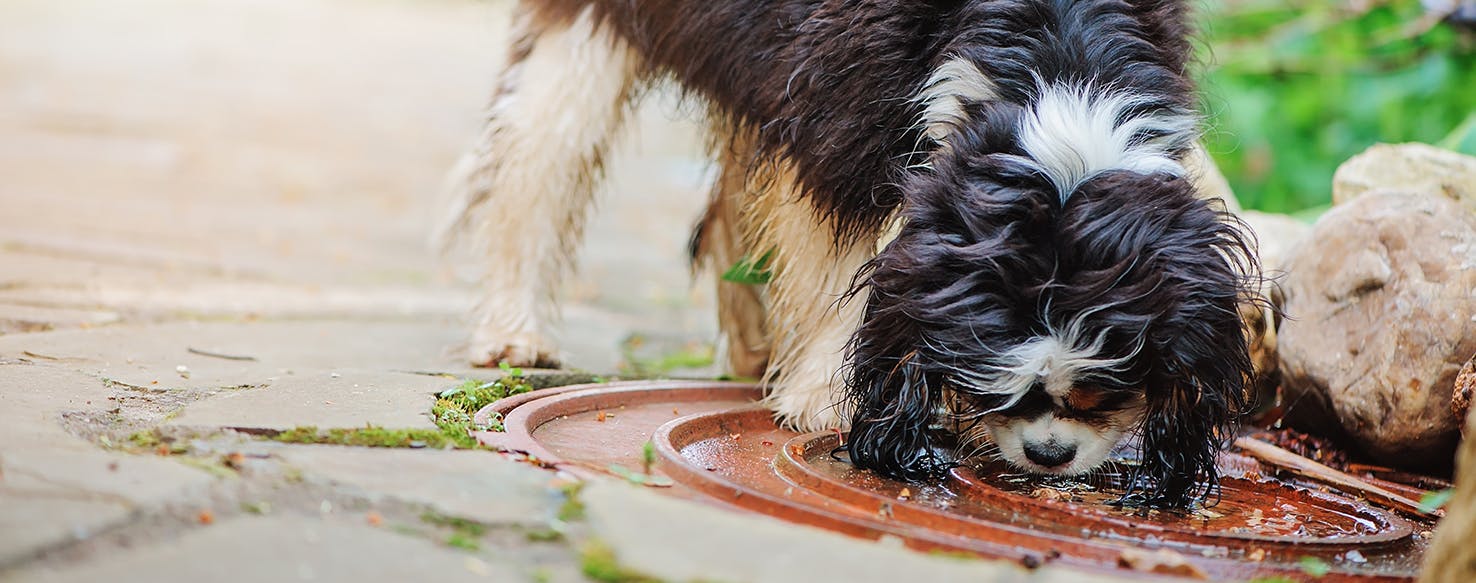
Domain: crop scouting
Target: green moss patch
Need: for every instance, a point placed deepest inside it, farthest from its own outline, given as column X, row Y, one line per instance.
column 598, row 562
column 465, row 534
column 373, row 436
column 456, row 407
column 453, row 413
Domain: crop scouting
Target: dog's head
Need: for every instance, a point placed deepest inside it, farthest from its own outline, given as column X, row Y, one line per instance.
column 1058, row 319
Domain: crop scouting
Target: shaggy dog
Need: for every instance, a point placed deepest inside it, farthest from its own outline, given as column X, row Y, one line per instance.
column 980, row 218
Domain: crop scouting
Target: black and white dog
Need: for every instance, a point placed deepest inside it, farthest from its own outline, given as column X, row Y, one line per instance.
column 981, row 216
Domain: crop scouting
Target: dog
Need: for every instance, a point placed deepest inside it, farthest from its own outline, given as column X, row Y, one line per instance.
column 980, row 216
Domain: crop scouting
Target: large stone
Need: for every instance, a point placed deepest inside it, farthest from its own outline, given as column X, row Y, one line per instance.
column 1381, row 307
column 1277, row 235
column 1407, row 167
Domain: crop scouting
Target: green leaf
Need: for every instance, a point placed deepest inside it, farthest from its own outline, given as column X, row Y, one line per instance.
column 749, row 272
column 640, row 479
column 648, row 455
column 509, row 370
column 1314, row 566
column 1433, row 501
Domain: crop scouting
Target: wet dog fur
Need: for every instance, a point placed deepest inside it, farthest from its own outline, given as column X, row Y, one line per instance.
column 982, row 225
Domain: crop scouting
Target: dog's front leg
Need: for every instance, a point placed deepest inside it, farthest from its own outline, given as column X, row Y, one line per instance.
column 810, row 317
column 527, row 185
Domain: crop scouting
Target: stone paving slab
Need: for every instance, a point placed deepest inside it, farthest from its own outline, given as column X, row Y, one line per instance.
column 55, row 487
column 677, row 540
column 269, row 549
column 320, row 398
column 139, row 355
column 476, row 485
column 37, row 521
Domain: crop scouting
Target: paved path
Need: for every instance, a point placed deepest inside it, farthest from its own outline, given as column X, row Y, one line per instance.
column 255, row 178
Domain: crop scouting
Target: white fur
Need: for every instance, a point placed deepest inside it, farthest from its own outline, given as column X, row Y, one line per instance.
column 952, row 84
column 809, row 326
column 528, row 183
column 1076, row 132
column 1092, row 446
column 1057, row 359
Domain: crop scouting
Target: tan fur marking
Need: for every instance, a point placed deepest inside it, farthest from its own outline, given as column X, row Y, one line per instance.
column 742, row 318
column 809, row 323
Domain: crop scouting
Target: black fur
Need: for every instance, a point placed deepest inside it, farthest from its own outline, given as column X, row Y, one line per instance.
column 830, row 86
column 970, row 275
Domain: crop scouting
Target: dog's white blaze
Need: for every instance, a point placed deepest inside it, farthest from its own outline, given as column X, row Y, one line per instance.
column 1057, row 360
column 1076, row 132
column 943, row 95
column 1092, row 445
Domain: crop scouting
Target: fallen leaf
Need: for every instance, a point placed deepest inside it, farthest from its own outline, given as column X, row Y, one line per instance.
column 1161, row 561
column 600, row 417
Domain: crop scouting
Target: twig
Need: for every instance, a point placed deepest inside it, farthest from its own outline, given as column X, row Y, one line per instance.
column 1307, row 468
column 219, row 355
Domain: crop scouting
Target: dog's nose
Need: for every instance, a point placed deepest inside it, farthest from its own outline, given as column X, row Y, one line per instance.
column 1050, row 454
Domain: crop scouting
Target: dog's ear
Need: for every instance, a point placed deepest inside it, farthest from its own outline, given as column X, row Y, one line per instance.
column 1198, row 390
column 895, row 406
column 1192, row 408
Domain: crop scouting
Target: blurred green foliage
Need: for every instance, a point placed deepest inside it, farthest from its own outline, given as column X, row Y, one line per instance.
column 1295, row 87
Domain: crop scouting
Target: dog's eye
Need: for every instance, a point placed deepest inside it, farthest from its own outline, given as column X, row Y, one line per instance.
column 1086, row 398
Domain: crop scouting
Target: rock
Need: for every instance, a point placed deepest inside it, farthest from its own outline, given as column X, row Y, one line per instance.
column 1460, row 398
column 1451, row 557
column 1380, row 310
column 1276, row 236
column 1407, row 167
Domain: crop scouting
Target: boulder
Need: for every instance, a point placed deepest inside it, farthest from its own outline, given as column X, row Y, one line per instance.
column 1380, row 302
column 1408, row 167
column 1276, row 236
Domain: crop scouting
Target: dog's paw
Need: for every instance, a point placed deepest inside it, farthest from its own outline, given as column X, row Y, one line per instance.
column 530, row 350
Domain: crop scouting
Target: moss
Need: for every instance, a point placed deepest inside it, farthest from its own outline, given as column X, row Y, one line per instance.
column 955, row 555
column 453, row 413
column 144, row 439
column 465, row 534
column 462, row 541
column 598, row 562
column 573, row 507
column 544, row 535
column 368, row 436
column 456, row 407
column 209, row 465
